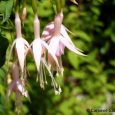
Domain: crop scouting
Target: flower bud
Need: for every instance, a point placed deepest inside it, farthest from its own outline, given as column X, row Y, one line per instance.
column 24, row 14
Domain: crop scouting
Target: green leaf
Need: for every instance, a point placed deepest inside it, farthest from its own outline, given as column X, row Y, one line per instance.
column 5, row 9
column 78, row 74
column 83, row 35
column 44, row 8
column 112, row 62
column 2, row 74
column 73, row 59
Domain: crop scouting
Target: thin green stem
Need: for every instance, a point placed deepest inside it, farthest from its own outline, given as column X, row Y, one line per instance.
column 60, row 5
column 17, row 5
column 24, row 3
column 34, row 6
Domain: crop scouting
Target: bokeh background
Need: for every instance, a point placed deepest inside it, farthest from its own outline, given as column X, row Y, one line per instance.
column 88, row 82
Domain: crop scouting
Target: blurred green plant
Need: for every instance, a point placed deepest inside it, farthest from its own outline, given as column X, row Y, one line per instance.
column 88, row 82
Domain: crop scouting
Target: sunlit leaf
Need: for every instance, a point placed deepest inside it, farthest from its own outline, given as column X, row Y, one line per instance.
column 5, row 9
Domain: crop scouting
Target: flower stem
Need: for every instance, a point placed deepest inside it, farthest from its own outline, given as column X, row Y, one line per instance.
column 59, row 5
column 24, row 3
column 17, row 5
column 34, row 6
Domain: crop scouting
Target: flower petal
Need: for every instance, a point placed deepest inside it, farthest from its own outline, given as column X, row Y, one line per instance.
column 15, row 71
column 37, row 52
column 51, row 52
column 70, row 46
column 60, row 50
column 65, row 35
column 26, row 43
column 21, row 88
column 20, row 49
column 48, row 31
column 54, row 44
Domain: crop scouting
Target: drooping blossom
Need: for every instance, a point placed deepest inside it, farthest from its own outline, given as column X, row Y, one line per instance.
column 56, row 35
column 39, row 48
column 20, row 44
column 17, row 85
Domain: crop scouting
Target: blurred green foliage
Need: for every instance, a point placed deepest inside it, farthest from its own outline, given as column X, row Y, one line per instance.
column 88, row 82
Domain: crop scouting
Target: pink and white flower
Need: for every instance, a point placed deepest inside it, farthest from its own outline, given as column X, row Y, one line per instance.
column 17, row 85
column 39, row 48
column 20, row 44
column 56, row 35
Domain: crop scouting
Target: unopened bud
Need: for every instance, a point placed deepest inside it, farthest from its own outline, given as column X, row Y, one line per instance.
column 24, row 13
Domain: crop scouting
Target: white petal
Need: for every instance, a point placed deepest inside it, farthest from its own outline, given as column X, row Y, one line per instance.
column 22, row 89
column 65, row 35
column 25, row 42
column 50, row 51
column 70, row 46
column 20, row 52
column 37, row 52
column 54, row 44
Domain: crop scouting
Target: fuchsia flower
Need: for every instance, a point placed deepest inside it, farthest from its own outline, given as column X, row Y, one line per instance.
column 17, row 85
column 38, row 50
column 20, row 44
column 56, row 35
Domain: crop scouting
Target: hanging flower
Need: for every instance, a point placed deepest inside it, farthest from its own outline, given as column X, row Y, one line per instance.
column 39, row 48
column 56, row 35
column 17, row 85
column 20, row 44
